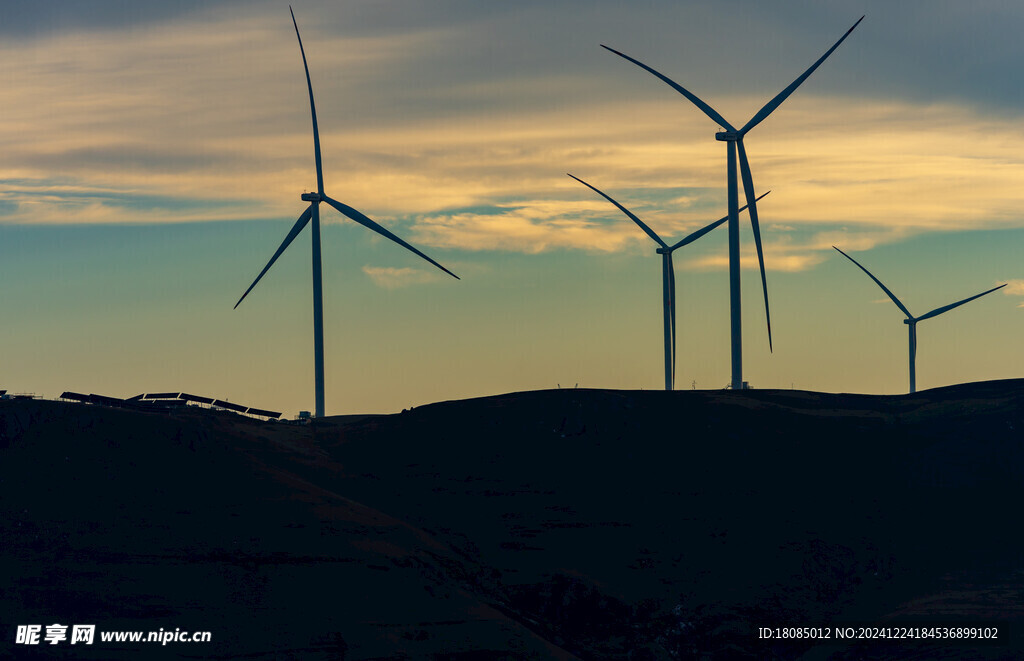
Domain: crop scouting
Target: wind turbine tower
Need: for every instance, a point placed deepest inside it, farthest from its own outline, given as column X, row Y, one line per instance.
column 312, row 212
column 911, row 321
column 668, row 277
column 733, row 137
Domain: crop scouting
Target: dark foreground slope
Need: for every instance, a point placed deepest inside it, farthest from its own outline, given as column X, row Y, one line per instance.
column 558, row 524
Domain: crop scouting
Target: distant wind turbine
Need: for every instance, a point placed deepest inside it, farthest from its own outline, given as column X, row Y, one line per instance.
column 734, row 137
column 312, row 212
column 668, row 278
column 911, row 320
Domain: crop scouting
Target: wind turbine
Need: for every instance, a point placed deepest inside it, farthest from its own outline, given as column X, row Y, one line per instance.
column 734, row 138
column 668, row 278
column 911, row 320
column 312, row 212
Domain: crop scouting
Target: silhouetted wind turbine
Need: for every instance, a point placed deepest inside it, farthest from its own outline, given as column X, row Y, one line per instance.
column 668, row 278
column 911, row 320
column 312, row 212
column 734, row 137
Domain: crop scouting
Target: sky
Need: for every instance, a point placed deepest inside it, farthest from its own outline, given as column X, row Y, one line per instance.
column 152, row 158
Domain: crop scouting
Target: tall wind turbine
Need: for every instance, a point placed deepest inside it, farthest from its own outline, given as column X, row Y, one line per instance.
column 668, row 278
column 734, row 138
column 911, row 320
column 312, row 212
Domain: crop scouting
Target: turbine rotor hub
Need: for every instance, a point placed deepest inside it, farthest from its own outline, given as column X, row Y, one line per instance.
column 728, row 136
column 311, row 197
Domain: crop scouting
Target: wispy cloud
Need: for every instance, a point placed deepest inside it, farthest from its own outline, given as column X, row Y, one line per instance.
column 186, row 119
column 794, row 251
column 531, row 227
column 1015, row 288
column 875, row 185
column 392, row 278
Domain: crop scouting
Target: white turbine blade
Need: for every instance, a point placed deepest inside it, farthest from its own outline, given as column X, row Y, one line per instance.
column 707, row 228
column 879, row 283
column 296, row 228
column 312, row 109
column 947, row 308
column 707, row 110
column 626, row 211
column 366, row 222
column 748, row 189
column 784, row 94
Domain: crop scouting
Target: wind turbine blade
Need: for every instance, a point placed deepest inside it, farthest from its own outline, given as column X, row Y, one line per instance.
column 672, row 313
column 748, row 190
column 707, row 110
column 296, row 228
column 947, row 308
column 879, row 283
column 366, row 222
column 784, row 94
column 707, row 228
column 312, row 109
column 626, row 211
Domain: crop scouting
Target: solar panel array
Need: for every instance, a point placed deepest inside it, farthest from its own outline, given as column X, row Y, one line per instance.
column 229, row 406
column 165, row 400
column 103, row 399
column 195, row 398
column 265, row 414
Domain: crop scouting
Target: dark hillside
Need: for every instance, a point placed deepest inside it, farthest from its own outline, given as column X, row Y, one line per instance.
column 553, row 524
column 205, row 522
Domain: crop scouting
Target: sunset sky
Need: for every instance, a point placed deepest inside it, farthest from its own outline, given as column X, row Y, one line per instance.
column 153, row 155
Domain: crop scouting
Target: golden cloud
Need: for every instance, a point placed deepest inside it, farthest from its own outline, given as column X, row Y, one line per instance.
column 218, row 118
column 1014, row 288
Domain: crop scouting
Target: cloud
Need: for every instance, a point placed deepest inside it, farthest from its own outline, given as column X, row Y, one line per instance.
column 800, row 248
column 202, row 115
column 392, row 278
column 69, row 202
column 531, row 227
column 788, row 263
column 23, row 17
column 1015, row 288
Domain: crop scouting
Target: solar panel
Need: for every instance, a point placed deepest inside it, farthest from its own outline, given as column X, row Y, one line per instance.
column 195, row 398
column 160, row 404
column 229, row 406
column 265, row 414
column 160, row 395
column 77, row 396
column 135, row 398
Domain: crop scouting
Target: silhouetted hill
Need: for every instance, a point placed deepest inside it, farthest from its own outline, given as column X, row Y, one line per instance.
column 559, row 524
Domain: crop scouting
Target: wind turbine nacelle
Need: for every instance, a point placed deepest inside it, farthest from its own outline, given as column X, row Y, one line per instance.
column 727, row 136
column 311, row 197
